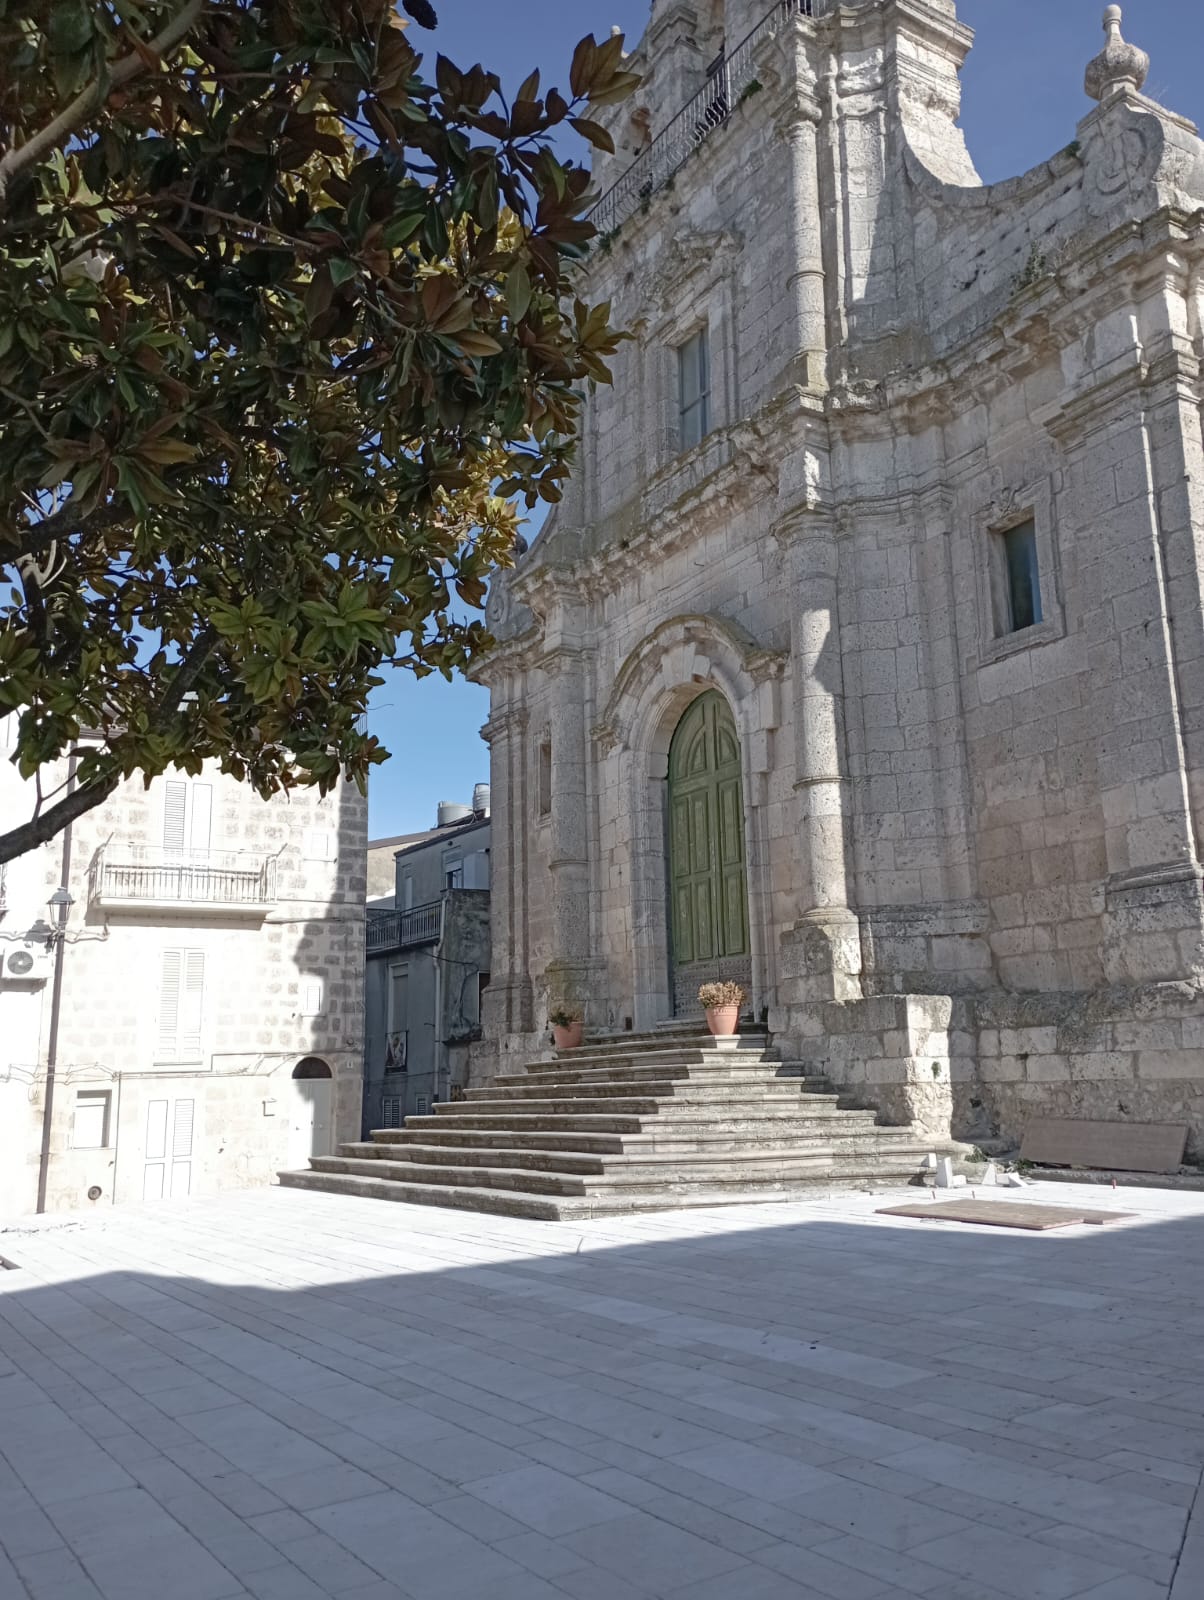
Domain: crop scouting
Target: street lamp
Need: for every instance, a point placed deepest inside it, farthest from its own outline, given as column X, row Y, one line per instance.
column 60, row 904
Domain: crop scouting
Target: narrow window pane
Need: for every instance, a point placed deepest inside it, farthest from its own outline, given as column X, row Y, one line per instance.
column 1023, row 577
column 694, row 382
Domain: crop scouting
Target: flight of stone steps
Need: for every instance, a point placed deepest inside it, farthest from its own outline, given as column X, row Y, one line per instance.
column 628, row 1122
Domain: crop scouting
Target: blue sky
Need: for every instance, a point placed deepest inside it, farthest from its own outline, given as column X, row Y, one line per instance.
column 1022, row 95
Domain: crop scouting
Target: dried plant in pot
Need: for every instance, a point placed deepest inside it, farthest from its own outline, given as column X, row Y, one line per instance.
column 567, row 1027
column 722, row 1002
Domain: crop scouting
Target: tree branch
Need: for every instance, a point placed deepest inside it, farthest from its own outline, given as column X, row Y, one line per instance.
column 123, row 71
column 44, row 825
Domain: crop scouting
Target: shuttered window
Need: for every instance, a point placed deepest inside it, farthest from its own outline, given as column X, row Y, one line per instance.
column 187, row 818
column 181, row 1000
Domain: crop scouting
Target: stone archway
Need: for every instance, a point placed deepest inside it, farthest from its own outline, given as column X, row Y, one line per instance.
column 707, row 877
column 682, row 659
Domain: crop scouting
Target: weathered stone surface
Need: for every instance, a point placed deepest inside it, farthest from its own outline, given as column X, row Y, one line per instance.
column 907, row 366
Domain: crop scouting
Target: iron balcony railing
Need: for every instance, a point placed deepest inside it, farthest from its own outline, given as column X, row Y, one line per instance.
column 394, row 930
column 727, row 81
column 189, row 878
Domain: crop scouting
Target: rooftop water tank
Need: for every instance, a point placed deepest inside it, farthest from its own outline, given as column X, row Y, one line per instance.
column 480, row 800
column 450, row 812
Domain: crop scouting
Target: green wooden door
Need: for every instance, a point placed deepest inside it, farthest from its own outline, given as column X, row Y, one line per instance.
column 709, row 888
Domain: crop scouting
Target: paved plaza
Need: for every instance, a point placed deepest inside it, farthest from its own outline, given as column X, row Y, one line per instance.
column 293, row 1396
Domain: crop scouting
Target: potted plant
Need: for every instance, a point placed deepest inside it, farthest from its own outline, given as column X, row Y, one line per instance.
column 722, row 1002
column 566, row 1026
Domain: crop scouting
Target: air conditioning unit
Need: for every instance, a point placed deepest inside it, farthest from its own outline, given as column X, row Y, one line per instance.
column 24, row 963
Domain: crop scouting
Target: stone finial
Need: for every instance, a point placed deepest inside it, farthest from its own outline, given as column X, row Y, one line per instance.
column 1119, row 65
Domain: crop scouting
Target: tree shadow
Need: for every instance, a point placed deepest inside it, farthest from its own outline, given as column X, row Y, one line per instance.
column 449, row 1407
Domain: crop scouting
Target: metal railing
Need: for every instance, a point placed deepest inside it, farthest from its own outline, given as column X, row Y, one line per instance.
column 705, row 111
column 204, row 877
column 394, row 930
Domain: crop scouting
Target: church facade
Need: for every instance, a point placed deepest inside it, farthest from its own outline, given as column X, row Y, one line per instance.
column 863, row 663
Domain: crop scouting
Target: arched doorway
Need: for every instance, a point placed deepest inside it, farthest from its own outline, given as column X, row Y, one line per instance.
column 311, row 1111
column 708, row 882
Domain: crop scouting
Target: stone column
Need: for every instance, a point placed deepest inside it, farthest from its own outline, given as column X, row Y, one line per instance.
column 807, row 363
column 570, row 969
column 825, row 943
column 508, row 1001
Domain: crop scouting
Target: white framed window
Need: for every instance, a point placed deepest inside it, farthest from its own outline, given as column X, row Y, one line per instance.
column 187, row 819
column 694, row 389
column 181, row 1003
column 313, row 999
column 90, row 1125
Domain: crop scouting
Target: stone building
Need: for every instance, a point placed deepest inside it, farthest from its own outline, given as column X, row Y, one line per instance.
column 210, row 1024
column 864, row 659
column 427, row 965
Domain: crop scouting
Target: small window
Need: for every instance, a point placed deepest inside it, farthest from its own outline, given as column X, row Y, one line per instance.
column 1021, row 586
column 390, row 1111
column 90, row 1129
column 453, row 874
column 694, row 389
column 545, row 778
column 312, row 1000
column 422, row 1106
column 407, row 893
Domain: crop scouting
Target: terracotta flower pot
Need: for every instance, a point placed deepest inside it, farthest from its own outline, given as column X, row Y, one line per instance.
column 722, row 1020
column 568, row 1038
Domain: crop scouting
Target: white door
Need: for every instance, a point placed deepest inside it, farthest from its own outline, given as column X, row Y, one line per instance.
column 167, row 1153
column 310, row 1119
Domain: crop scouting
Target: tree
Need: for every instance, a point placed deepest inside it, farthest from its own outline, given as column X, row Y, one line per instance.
column 286, row 332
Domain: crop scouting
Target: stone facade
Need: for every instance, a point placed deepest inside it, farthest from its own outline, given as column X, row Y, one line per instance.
column 214, row 943
column 428, row 961
column 972, row 832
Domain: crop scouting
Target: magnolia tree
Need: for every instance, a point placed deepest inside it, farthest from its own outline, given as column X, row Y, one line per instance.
column 287, row 337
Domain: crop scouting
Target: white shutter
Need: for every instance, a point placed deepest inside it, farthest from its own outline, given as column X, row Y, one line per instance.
column 169, row 1005
column 312, row 1003
column 191, row 1000
column 183, row 1114
column 181, row 996
column 175, row 817
column 201, row 821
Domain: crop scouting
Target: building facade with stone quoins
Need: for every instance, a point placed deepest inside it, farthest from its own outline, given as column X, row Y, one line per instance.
column 211, row 1017
column 864, row 659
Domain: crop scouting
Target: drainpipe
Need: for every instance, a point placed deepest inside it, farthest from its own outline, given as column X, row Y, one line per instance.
column 56, row 1001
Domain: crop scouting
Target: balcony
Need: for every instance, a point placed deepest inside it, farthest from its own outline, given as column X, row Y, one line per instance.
column 202, row 882
column 400, row 930
column 729, row 79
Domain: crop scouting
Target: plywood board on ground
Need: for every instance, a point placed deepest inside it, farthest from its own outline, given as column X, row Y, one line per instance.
column 1125, row 1146
column 1004, row 1214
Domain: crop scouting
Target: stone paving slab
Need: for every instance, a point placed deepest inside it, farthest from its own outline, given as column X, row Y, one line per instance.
column 297, row 1396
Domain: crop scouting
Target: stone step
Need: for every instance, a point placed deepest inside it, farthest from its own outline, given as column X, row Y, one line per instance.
column 722, row 1087
column 639, row 1072
column 638, row 1157
column 716, row 1139
column 651, row 1173
column 503, row 1203
column 613, row 1202
column 665, row 1100
column 486, row 1138
column 679, row 1060
column 791, row 1120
